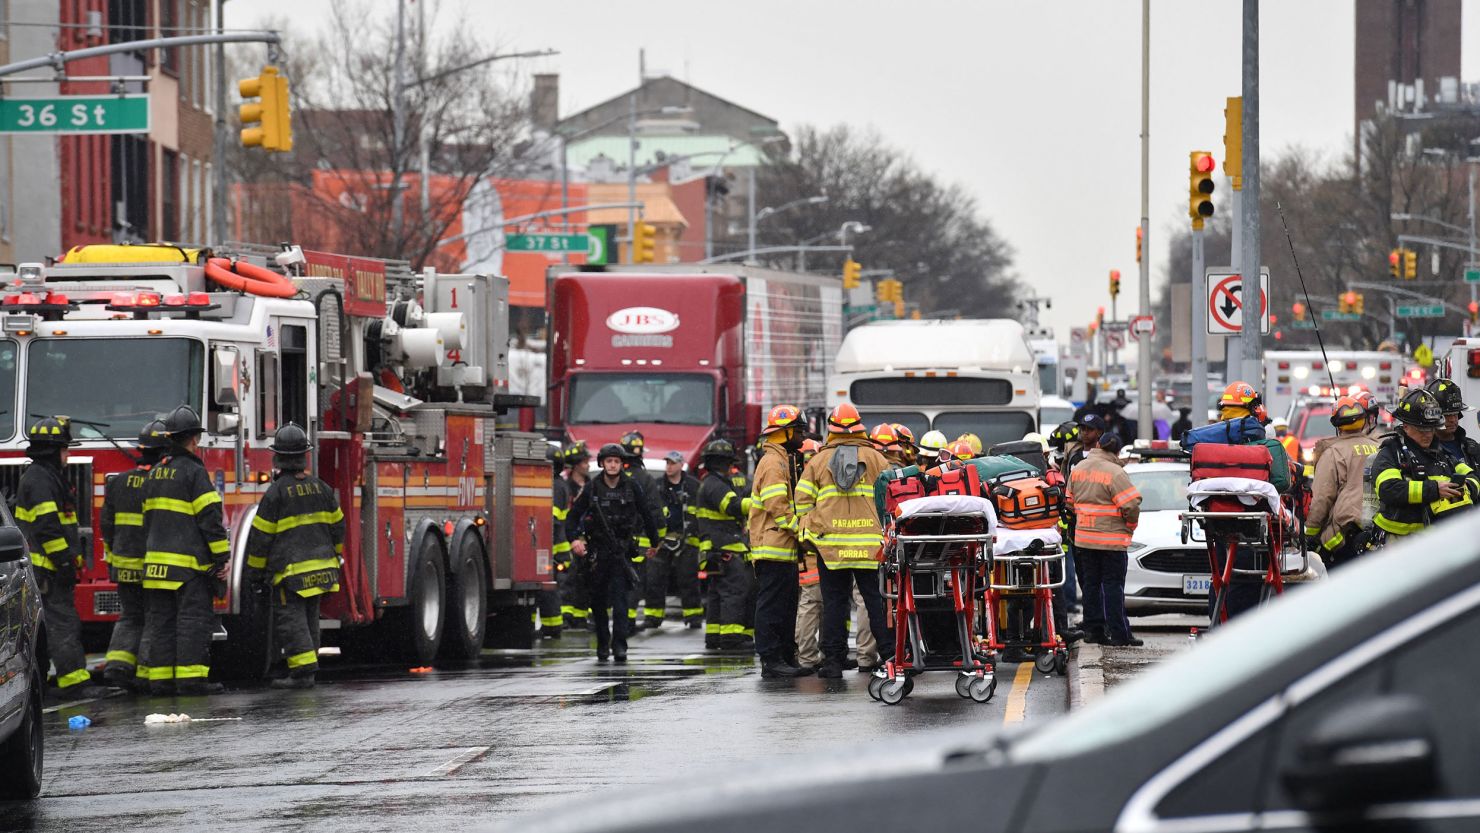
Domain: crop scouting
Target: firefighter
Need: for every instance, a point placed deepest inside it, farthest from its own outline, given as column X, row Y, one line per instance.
column 809, row 604
column 887, row 444
column 675, row 562
column 909, row 453
column 550, row 615
column 1107, row 508
column 610, row 514
column 121, row 523
column 1239, row 401
column 720, row 512
column 1334, row 522
column 1288, row 441
column 575, row 581
column 1416, row 481
column 632, row 444
column 931, row 445
column 974, row 441
column 1452, row 437
column 186, row 552
column 46, row 510
column 773, row 540
column 295, row 552
column 835, row 502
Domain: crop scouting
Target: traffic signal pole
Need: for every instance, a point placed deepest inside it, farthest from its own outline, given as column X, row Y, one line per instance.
column 1144, row 346
column 1199, row 397
column 1249, row 260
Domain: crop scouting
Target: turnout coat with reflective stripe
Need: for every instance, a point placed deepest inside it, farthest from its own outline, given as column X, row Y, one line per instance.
column 183, row 533
column 773, row 520
column 122, row 524
column 1336, row 496
column 842, row 523
column 719, row 517
column 1406, row 477
column 298, row 535
column 46, row 510
column 1107, row 506
column 560, row 511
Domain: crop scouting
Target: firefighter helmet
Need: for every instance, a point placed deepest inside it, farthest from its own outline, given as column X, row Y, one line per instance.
column 1035, row 437
column 290, row 440
column 934, row 442
column 152, row 435
column 1421, row 410
column 610, row 450
column 810, row 447
column 884, row 437
column 576, row 453
column 1066, row 433
column 1451, row 401
column 844, row 419
column 905, row 435
column 51, row 431
column 632, row 443
column 972, row 440
column 1367, row 401
column 720, row 449
column 1240, row 395
column 183, row 420
column 962, row 450
column 1348, row 413
column 781, row 418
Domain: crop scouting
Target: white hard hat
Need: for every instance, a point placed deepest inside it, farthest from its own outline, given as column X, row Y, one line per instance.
column 1034, row 436
column 932, row 443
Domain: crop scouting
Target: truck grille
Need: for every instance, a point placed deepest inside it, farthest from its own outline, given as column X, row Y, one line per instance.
column 105, row 603
column 80, row 475
column 1176, row 561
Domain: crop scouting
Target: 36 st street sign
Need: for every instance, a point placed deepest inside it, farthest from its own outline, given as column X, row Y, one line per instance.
column 75, row 114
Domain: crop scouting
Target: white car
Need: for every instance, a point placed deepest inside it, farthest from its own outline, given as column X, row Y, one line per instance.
column 1052, row 412
column 1164, row 575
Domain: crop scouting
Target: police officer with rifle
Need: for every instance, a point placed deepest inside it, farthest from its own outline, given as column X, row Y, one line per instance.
column 610, row 514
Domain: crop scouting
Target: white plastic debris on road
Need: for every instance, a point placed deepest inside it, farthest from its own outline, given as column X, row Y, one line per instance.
column 166, row 718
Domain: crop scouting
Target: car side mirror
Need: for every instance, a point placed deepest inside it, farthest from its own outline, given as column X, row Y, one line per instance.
column 1377, row 750
column 12, row 544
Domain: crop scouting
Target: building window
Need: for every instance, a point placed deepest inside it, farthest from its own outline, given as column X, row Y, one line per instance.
column 169, row 203
column 130, row 191
column 169, row 24
column 208, row 188
column 128, row 22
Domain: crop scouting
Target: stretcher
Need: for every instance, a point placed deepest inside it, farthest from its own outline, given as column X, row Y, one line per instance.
column 1027, row 567
column 1240, row 516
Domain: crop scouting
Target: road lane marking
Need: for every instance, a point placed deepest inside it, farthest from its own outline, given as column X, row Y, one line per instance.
column 70, row 704
column 1017, row 699
column 458, row 763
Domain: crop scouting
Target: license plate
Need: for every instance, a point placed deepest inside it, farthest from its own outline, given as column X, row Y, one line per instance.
column 1197, row 585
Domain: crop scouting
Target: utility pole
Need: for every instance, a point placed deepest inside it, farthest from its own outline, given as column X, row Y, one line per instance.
column 1143, row 351
column 1249, row 260
column 398, row 122
column 218, row 149
column 1199, row 293
column 631, row 168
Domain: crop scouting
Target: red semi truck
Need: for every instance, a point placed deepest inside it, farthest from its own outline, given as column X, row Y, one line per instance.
column 686, row 353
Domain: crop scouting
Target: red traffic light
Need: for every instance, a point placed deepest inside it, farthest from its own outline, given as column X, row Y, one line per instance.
column 1474, row 307
column 1205, row 163
column 1297, row 308
column 1114, row 274
column 1393, row 257
column 1350, row 297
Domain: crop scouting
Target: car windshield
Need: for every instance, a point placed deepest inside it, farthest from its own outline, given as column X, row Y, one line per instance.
column 917, row 422
column 993, row 427
column 622, row 398
column 91, row 381
column 1242, row 649
column 1161, row 489
column 7, row 388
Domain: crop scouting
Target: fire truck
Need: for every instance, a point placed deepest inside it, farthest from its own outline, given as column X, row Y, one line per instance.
column 397, row 376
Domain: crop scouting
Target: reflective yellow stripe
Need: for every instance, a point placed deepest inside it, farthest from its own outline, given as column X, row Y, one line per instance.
column 120, row 563
column 309, row 566
column 710, row 627
column 693, row 611
column 653, row 612
column 731, row 630
column 1312, row 531
column 807, row 487
column 257, row 562
column 1334, row 542
column 773, row 554
column 844, row 539
column 175, row 559
column 67, row 517
column 128, row 519
column 54, row 546
column 773, row 490
column 560, row 514
column 29, row 515
column 305, row 658
column 562, row 547
column 157, row 584
column 1396, row 527
column 192, row 672
column 218, row 547
column 262, row 524
column 81, row 675
column 141, row 672
column 166, row 673
column 1415, row 491
column 121, row 656
column 859, row 490
column 168, row 504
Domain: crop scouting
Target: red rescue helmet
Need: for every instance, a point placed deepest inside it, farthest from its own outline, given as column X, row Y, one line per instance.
column 883, row 436
column 781, row 418
column 844, row 419
column 1240, row 395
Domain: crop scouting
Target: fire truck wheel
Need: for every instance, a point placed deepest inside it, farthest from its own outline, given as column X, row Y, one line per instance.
column 467, row 603
column 420, row 622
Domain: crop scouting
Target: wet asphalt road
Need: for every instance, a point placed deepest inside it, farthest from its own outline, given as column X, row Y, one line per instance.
column 377, row 748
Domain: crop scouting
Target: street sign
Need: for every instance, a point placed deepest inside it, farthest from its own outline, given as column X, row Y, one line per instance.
column 1143, row 325
column 1078, row 341
column 549, row 243
column 1114, row 340
column 1335, row 315
column 1307, row 324
column 1422, row 311
column 1117, row 326
column 1472, row 276
column 1225, row 304
column 75, row 114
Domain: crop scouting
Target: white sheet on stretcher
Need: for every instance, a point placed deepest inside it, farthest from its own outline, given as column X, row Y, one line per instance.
column 1249, row 492
column 1015, row 540
column 950, row 505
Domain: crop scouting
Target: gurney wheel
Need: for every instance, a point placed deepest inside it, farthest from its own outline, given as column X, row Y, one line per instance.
column 874, row 684
column 982, row 689
column 894, row 691
column 1044, row 663
column 963, row 684
column 1061, row 663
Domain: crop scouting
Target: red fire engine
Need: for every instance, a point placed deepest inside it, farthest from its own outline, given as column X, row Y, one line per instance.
column 399, row 378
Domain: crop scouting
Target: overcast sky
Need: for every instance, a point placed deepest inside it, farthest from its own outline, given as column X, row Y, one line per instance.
column 1033, row 106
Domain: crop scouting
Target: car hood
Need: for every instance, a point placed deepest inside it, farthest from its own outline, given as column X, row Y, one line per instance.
column 1160, row 529
column 658, row 440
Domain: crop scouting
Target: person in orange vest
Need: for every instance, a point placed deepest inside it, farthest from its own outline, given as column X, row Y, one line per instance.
column 1290, row 442
column 1107, row 508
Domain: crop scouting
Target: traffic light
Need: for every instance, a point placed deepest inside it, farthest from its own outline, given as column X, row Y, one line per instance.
column 1298, row 309
column 899, row 309
column 1140, row 232
column 1475, row 312
column 1114, row 283
column 644, row 243
column 1395, row 263
column 890, row 291
column 1346, row 301
column 1099, row 317
column 852, row 274
column 915, row 315
column 1233, row 141
column 1200, row 187
column 1357, row 303
column 1410, row 264
column 271, row 115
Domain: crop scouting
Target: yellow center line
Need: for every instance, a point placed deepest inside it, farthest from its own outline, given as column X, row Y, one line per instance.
column 1017, row 699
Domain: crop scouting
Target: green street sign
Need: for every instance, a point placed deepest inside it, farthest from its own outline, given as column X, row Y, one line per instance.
column 549, row 243
column 1334, row 315
column 1422, row 311
column 75, row 114
column 1472, row 276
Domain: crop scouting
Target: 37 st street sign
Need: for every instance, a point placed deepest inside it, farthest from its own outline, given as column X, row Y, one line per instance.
column 75, row 114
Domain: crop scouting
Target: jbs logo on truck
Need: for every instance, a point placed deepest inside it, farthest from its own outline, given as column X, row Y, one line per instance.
column 642, row 320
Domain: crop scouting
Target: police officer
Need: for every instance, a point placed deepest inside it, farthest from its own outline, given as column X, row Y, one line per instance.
column 1452, row 437
column 632, row 445
column 677, row 560
column 46, row 510
column 186, row 552
column 610, row 513
column 1416, row 481
column 550, row 616
column 1334, row 521
column 773, row 538
column 575, row 580
column 296, row 546
column 121, row 524
column 720, row 511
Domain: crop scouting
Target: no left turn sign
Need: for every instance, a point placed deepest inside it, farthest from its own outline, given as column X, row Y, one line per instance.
column 1226, row 304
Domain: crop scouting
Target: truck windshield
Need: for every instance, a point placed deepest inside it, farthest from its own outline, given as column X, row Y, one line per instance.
column 993, row 427
column 622, row 398
column 111, row 387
